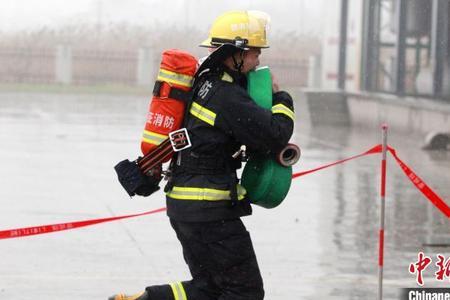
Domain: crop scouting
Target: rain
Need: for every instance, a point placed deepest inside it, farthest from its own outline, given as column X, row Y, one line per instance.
column 76, row 80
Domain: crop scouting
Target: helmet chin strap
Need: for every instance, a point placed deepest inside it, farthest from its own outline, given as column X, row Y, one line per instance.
column 238, row 65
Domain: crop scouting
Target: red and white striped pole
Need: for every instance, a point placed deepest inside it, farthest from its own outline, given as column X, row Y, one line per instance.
column 384, row 128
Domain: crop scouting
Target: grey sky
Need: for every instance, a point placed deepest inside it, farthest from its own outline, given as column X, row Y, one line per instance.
column 287, row 15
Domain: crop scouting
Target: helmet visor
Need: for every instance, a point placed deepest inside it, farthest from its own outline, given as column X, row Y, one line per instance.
column 259, row 23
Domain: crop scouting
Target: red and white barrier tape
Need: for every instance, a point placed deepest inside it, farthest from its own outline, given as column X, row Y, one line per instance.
column 416, row 180
column 421, row 185
column 27, row 231
column 375, row 149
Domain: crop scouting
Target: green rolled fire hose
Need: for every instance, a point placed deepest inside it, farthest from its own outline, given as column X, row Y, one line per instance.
column 266, row 181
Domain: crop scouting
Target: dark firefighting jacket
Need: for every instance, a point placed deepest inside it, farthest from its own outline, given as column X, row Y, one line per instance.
column 221, row 118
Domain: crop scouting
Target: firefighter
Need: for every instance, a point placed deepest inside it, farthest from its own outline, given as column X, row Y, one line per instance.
column 204, row 200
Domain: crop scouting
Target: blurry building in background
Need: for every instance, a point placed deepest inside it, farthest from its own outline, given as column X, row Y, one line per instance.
column 406, row 47
column 387, row 61
column 393, row 46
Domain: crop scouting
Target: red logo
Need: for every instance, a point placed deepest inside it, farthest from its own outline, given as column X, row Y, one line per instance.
column 423, row 261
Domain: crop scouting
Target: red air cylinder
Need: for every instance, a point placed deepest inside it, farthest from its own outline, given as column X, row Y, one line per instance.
column 166, row 109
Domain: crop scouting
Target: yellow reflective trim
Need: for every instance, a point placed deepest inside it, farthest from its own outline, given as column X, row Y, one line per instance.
column 192, row 193
column 241, row 191
column 178, row 291
column 157, row 135
column 153, row 137
column 226, row 77
column 181, row 289
column 283, row 109
column 203, row 113
column 175, row 291
column 151, row 141
column 175, row 78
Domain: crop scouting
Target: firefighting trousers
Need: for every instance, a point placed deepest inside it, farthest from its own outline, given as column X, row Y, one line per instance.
column 221, row 260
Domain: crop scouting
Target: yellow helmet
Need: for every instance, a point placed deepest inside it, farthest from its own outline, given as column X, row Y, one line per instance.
column 243, row 29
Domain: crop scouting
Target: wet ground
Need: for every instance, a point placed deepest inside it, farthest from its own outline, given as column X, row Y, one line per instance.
column 57, row 154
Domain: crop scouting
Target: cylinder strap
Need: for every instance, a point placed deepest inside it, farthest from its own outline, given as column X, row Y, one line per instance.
column 174, row 93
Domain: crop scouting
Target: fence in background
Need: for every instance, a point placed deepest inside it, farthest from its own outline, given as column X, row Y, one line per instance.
column 64, row 65
column 27, row 65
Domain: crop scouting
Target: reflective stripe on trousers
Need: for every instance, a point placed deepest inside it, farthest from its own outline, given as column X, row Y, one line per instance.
column 178, row 291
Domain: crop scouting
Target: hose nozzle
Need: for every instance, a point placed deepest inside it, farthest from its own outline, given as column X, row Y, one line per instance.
column 289, row 156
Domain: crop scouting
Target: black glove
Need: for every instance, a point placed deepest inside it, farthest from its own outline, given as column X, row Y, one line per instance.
column 136, row 183
column 282, row 97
